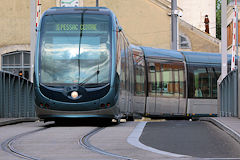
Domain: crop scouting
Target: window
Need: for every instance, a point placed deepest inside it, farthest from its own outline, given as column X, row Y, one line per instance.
column 184, row 42
column 122, row 62
column 79, row 47
column 231, row 2
column 151, row 79
column 166, row 79
column 139, row 85
column 230, row 34
column 203, row 81
column 172, row 81
column 17, row 62
column 139, row 71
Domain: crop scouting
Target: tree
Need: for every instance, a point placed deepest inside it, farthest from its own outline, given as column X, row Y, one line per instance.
column 218, row 19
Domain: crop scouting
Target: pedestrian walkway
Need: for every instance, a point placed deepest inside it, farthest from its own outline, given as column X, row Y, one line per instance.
column 8, row 121
column 229, row 124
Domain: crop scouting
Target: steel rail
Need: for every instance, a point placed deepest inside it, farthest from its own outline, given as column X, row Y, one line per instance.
column 84, row 141
column 7, row 145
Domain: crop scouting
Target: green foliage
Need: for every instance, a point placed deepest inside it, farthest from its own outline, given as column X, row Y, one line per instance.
column 218, row 19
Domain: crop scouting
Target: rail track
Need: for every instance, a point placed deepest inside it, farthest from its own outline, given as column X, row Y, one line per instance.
column 84, row 141
column 7, row 145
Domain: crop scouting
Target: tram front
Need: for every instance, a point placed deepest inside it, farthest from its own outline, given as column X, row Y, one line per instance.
column 73, row 64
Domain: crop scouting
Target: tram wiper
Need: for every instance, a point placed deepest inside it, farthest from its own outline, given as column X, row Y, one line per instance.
column 89, row 78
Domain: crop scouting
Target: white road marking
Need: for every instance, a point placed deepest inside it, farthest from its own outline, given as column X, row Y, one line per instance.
column 133, row 139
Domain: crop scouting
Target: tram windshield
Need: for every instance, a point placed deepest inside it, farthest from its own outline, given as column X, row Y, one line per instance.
column 75, row 49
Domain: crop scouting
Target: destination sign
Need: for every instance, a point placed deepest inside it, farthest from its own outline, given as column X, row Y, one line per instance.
column 76, row 27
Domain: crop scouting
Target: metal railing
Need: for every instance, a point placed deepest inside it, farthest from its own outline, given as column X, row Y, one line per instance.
column 16, row 96
column 229, row 95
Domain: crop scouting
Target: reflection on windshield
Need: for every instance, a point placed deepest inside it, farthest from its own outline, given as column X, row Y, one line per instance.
column 65, row 61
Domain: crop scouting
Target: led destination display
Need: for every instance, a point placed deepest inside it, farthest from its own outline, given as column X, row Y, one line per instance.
column 76, row 27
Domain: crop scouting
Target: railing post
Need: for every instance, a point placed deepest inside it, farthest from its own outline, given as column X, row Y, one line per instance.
column 1, row 95
column 18, row 97
column 225, row 98
column 229, row 97
column 238, row 77
column 4, row 95
column 235, row 88
column 219, row 97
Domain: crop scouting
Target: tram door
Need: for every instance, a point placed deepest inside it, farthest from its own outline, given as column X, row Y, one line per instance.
column 151, row 99
column 127, row 82
column 166, row 88
column 125, row 77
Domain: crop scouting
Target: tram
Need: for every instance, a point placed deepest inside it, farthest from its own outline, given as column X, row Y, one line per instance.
column 78, row 64
column 179, row 83
column 86, row 68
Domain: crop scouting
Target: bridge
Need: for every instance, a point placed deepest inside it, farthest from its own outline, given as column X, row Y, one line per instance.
column 17, row 96
column 135, row 139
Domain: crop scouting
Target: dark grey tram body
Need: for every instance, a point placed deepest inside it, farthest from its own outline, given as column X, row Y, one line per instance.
column 86, row 68
column 166, row 71
column 176, row 83
column 80, row 64
column 203, row 71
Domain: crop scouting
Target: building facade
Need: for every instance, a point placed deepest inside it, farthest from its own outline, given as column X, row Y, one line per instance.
column 144, row 22
column 15, row 35
column 194, row 12
column 230, row 15
column 193, row 39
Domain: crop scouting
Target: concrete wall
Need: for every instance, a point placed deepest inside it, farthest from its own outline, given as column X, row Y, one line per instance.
column 200, row 41
column 144, row 22
column 45, row 4
column 14, row 22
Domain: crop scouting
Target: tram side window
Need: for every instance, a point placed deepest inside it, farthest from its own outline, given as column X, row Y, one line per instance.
column 151, row 81
column 139, row 77
column 167, row 80
column 170, row 81
column 123, row 61
column 159, row 84
column 181, row 81
column 203, row 81
column 139, row 72
column 178, row 79
column 126, row 64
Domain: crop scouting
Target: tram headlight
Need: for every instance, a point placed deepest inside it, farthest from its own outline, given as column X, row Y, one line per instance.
column 74, row 94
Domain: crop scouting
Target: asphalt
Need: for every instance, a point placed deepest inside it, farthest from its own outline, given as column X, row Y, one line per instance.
column 202, row 139
column 231, row 125
column 219, row 125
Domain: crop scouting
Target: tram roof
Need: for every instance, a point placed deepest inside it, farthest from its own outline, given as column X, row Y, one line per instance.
column 202, row 57
column 69, row 10
column 157, row 53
